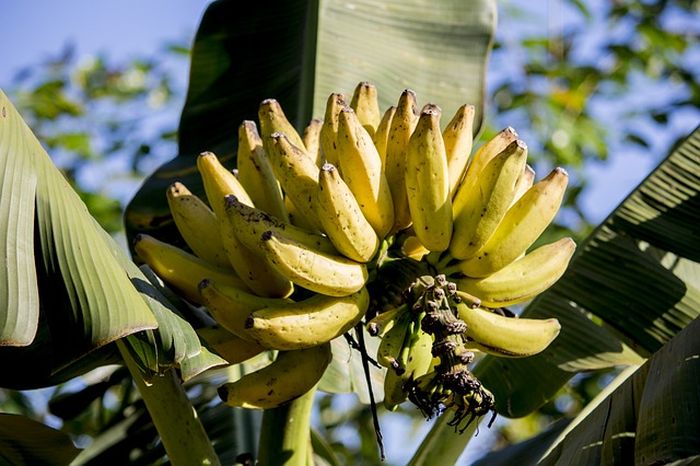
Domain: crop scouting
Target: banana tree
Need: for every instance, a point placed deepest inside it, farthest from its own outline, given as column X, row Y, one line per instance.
column 56, row 254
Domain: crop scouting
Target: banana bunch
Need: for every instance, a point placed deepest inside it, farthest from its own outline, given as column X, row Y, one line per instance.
column 281, row 251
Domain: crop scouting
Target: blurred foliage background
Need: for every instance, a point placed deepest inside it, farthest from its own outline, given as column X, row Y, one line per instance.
column 580, row 80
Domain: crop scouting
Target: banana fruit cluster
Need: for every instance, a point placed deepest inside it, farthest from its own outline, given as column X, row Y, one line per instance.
column 281, row 251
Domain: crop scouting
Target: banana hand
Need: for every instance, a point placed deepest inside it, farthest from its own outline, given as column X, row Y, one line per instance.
column 289, row 376
column 307, row 323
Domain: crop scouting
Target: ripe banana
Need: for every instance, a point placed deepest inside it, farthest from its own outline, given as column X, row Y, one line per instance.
column 506, row 336
column 521, row 226
column 197, row 224
column 428, row 182
column 181, row 270
column 488, row 202
column 219, row 182
column 329, row 130
column 327, row 274
column 227, row 345
column 307, row 323
column 381, row 136
column 251, row 266
column 342, row 219
column 523, row 279
column 273, row 120
column 525, row 182
column 459, row 137
column 361, row 167
column 312, row 140
column 364, row 102
column 248, row 223
column 482, row 157
column 289, row 376
column 402, row 126
column 297, row 174
column 255, row 172
column 230, row 307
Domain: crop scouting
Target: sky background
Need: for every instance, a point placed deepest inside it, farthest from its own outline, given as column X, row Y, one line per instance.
column 34, row 30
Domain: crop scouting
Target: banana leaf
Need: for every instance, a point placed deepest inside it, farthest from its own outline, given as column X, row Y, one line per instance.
column 25, row 442
column 637, row 273
column 66, row 289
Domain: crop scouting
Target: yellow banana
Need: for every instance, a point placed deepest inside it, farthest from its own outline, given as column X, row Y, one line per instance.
column 523, row 279
column 364, row 102
column 197, row 224
column 342, row 219
column 181, row 270
column 481, row 158
column 227, row 345
column 392, row 341
column 459, row 137
column 525, row 182
column 381, row 136
column 297, row 174
column 289, row 376
column 326, row 274
column 506, row 336
column 255, row 172
column 230, row 307
column 249, row 223
column 307, row 323
column 521, row 226
column 402, row 126
column 219, row 182
column 488, row 202
column 312, row 140
column 418, row 359
column 251, row 266
column 428, row 182
column 361, row 167
column 381, row 323
column 413, row 248
column 273, row 120
column 329, row 130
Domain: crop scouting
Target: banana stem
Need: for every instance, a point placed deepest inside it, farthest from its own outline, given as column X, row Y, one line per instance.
column 176, row 421
column 284, row 436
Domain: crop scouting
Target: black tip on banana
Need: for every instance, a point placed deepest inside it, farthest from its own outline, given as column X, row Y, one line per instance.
column 138, row 238
column 230, row 200
column 203, row 284
column 249, row 322
column 266, row 236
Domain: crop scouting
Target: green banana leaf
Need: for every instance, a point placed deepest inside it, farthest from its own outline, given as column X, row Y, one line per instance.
column 66, row 288
column 650, row 419
column 25, row 442
column 638, row 273
column 298, row 52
